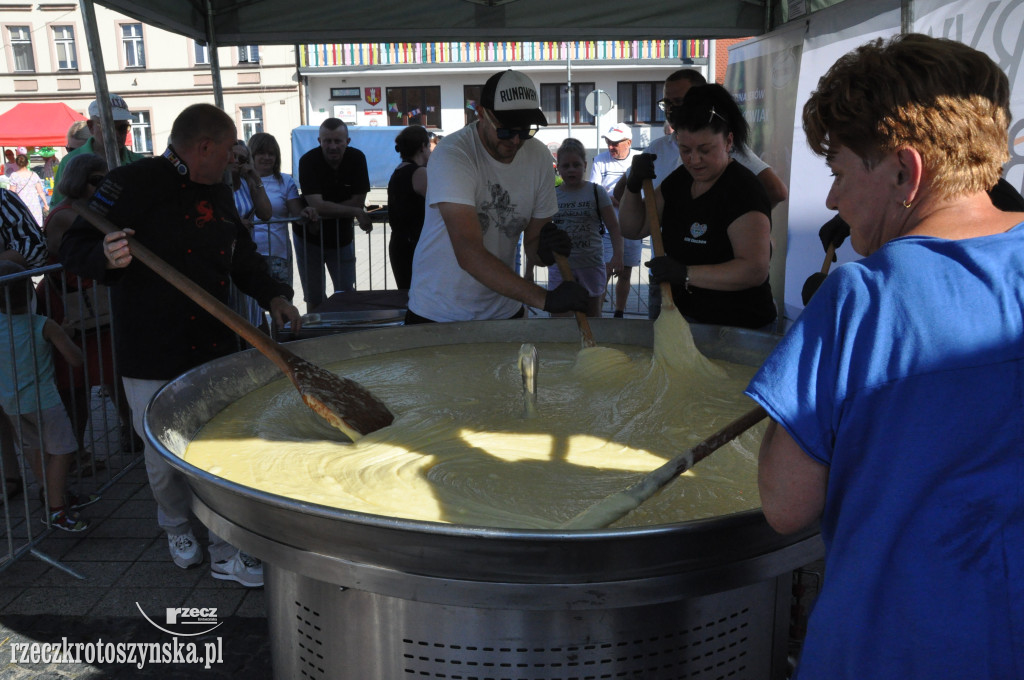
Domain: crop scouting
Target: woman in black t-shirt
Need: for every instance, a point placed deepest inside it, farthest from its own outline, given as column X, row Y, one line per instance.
column 715, row 217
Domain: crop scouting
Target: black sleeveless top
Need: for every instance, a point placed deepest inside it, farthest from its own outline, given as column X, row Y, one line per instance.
column 405, row 206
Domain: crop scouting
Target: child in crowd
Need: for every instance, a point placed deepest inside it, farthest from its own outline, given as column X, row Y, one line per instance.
column 28, row 394
column 584, row 211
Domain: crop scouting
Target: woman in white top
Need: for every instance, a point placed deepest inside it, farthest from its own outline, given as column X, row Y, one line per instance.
column 272, row 237
column 30, row 189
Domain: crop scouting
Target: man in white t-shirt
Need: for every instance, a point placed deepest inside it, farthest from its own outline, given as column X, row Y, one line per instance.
column 487, row 184
column 607, row 168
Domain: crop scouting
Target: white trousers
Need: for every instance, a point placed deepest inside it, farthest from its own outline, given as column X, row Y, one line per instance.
column 173, row 497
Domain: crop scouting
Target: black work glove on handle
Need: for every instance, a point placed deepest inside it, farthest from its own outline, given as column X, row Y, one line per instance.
column 568, row 297
column 552, row 240
column 667, row 269
column 833, row 232
column 642, row 168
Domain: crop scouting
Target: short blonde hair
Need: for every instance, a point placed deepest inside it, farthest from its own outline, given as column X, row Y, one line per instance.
column 946, row 100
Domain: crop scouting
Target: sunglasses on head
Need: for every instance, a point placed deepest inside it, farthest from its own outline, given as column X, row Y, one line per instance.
column 506, row 134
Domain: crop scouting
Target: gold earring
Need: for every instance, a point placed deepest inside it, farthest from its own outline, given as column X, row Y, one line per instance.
column 907, row 204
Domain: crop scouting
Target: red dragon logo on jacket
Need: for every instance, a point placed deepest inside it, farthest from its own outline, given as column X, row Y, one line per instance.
column 205, row 211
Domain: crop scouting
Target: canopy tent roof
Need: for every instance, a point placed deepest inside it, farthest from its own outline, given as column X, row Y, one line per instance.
column 270, row 22
column 41, row 124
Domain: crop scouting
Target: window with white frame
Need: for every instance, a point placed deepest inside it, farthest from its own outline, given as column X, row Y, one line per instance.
column 64, row 45
column 201, row 52
column 134, row 49
column 142, row 133
column 252, row 121
column 248, row 54
column 21, row 46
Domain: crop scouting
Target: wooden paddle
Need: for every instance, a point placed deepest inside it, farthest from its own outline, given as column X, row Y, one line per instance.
column 616, row 506
column 657, row 245
column 815, row 280
column 343, row 403
column 586, row 335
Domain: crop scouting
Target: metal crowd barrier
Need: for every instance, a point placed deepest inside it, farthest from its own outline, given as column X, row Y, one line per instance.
column 92, row 398
column 372, row 269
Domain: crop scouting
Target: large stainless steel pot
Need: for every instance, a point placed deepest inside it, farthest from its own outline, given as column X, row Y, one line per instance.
column 367, row 597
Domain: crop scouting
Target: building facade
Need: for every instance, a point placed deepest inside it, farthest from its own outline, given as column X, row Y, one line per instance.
column 46, row 58
column 585, row 87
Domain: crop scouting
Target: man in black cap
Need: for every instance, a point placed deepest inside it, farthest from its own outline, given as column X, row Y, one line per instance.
column 487, row 184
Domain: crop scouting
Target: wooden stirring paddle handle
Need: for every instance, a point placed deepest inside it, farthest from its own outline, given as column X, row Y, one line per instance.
column 829, row 254
column 586, row 335
column 657, row 245
column 261, row 341
column 618, row 505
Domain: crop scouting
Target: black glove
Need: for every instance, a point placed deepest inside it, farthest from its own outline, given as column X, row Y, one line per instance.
column 552, row 240
column 811, row 286
column 833, row 232
column 668, row 269
column 568, row 297
column 641, row 169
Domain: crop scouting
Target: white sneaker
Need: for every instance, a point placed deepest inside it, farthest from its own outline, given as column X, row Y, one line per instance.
column 185, row 549
column 243, row 568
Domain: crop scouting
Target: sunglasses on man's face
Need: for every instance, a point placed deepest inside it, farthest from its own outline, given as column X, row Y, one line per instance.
column 506, row 134
column 96, row 180
column 666, row 104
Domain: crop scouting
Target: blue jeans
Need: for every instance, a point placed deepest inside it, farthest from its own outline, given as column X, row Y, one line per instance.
column 311, row 257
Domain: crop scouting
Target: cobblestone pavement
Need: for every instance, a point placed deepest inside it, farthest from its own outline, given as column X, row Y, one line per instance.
column 94, row 586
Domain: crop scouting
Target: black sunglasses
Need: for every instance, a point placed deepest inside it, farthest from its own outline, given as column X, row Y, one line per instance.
column 96, row 180
column 666, row 104
column 506, row 134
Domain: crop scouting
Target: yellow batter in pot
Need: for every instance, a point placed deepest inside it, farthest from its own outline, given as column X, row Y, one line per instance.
column 460, row 450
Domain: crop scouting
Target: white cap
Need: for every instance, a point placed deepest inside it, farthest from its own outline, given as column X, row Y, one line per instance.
column 119, row 110
column 619, row 132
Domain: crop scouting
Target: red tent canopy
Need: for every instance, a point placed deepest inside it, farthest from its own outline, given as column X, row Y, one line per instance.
column 42, row 124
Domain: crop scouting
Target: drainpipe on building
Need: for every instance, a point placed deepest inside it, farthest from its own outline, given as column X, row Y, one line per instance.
column 301, row 81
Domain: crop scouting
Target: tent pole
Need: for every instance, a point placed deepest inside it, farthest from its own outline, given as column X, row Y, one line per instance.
column 906, row 16
column 99, row 79
column 568, row 87
column 211, row 41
